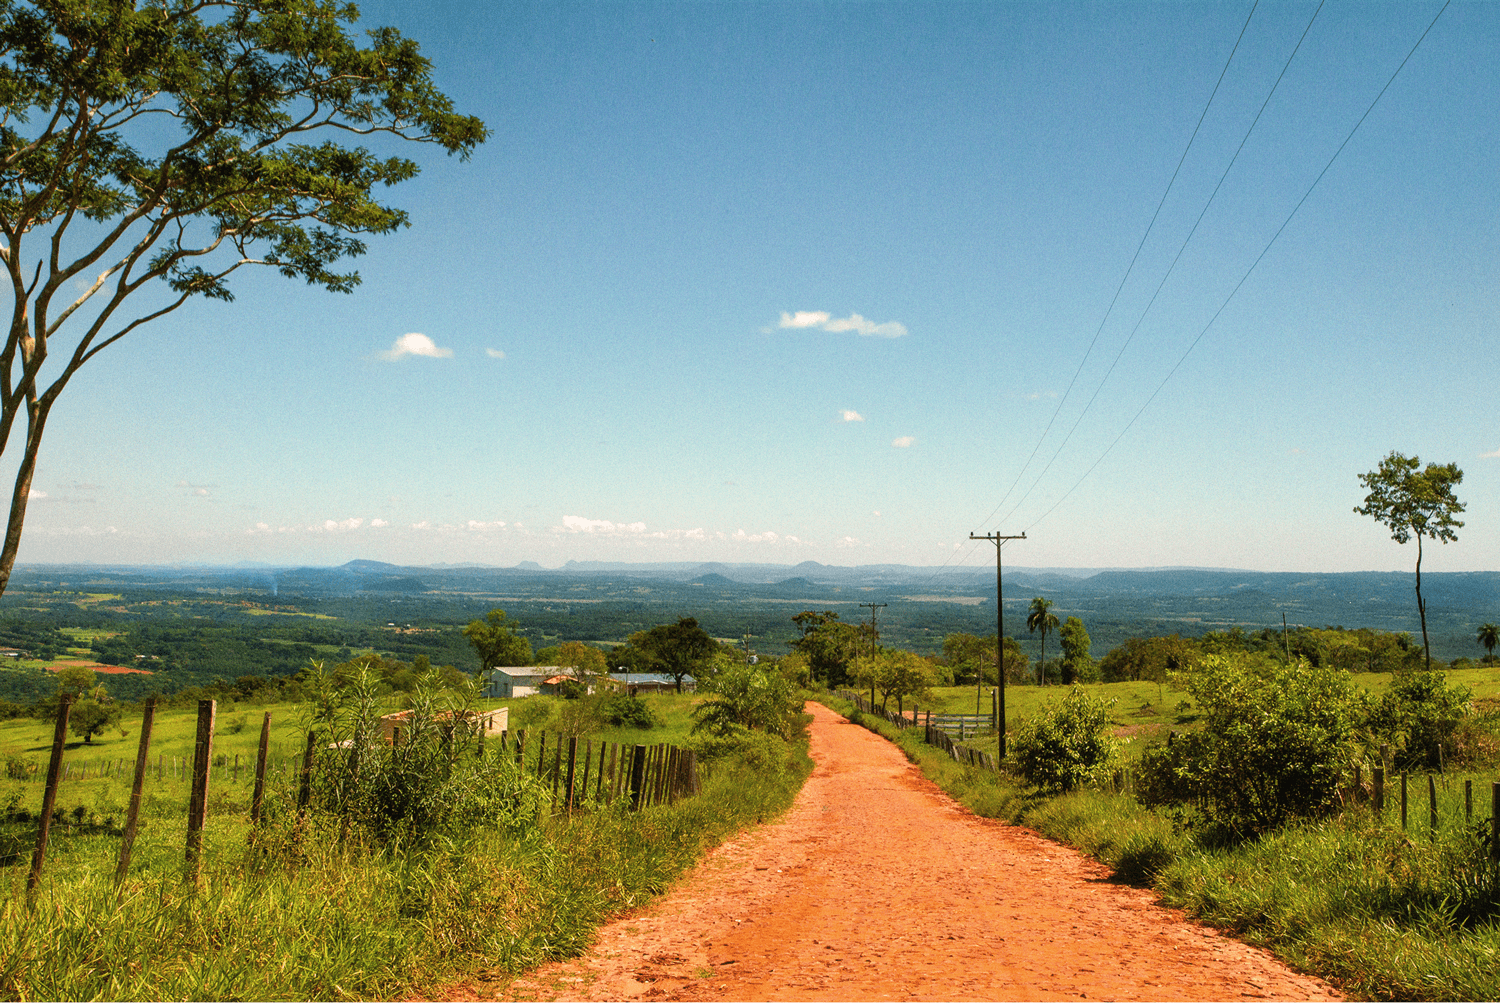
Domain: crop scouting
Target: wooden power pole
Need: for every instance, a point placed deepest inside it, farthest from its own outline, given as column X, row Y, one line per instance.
column 999, row 542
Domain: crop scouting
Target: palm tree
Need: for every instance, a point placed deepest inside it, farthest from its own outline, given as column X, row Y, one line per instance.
column 1041, row 619
column 1489, row 636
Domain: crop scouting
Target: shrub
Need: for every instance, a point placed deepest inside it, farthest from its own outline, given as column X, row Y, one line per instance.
column 625, row 711
column 1065, row 745
column 1276, row 740
column 1421, row 716
column 745, row 697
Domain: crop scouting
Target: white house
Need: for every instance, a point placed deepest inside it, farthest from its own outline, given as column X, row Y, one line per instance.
column 519, row 680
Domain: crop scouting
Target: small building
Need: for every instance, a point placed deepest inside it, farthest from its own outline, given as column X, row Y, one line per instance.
column 636, row 683
column 489, row 722
column 508, row 681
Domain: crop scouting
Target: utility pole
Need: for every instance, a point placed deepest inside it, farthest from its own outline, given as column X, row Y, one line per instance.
column 999, row 542
column 874, row 645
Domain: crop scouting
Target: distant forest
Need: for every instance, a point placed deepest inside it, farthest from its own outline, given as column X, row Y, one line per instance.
column 194, row 627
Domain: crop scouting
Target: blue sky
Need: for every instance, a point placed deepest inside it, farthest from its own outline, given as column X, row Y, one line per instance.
column 782, row 282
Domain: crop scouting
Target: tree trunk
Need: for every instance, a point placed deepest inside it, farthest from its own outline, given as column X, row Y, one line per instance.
column 1422, row 606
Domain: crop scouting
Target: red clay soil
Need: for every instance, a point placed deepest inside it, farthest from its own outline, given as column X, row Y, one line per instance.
column 876, row 886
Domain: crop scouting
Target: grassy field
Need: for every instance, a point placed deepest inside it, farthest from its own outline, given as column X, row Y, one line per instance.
column 307, row 910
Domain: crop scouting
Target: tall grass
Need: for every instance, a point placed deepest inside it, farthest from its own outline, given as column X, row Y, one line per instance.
column 309, row 908
column 1381, row 912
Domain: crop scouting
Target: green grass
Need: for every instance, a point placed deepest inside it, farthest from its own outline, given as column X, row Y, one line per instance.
column 297, row 912
column 1382, row 913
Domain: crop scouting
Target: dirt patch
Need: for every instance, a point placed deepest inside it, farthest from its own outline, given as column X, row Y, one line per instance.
column 877, row 885
column 103, row 670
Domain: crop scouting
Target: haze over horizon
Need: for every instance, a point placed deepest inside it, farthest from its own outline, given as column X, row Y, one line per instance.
column 765, row 283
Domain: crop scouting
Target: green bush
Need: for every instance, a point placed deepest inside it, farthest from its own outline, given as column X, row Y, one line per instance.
column 625, row 711
column 1421, row 716
column 745, row 697
column 1275, row 742
column 1065, row 745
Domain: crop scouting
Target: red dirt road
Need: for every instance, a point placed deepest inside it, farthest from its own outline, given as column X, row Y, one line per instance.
column 878, row 886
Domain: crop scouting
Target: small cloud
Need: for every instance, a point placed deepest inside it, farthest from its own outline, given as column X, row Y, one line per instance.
column 424, row 524
column 478, row 527
column 854, row 322
column 494, row 353
column 850, row 416
column 578, row 524
column 336, row 525
column 1490, row 456
column 876, row 513
column 378, row 524
column 200, row 492
column 415, row 344
column 804, row 318
column 825, row 321
column 904, row 442
column 847, row 541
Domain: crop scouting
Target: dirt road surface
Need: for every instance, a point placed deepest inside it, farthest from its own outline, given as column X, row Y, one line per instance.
column 876, row 886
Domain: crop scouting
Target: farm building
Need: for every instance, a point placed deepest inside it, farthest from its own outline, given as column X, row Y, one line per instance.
column 651, row 682
column 519, row 680
column 490, row 722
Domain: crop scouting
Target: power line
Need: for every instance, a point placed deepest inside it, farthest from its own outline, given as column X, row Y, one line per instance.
column 1173, row 266
column 1131, row 267
column 1269, row 244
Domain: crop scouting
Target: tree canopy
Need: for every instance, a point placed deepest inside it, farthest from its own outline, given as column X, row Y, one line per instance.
column 496, row 643
column 156, row 150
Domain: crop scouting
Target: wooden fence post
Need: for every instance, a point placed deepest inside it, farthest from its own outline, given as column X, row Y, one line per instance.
column 304, row 786
column 572, row 765
column 133, row 813
column 257, row 799
column 1432, row 805
column 556, row 768
column 1403, row 802
column 49, row 795
column 1378, row 775
column 637, row 776
column 588, row 761
column 203, row 747
column 541, row 755
column 1468, row 801
column 1495, row 821
column 521, row 749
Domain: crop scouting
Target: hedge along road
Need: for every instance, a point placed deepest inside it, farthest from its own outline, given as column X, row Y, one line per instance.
column 877, row 885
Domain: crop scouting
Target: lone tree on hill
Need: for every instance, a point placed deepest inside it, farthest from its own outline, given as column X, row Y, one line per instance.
column 1412, row 502
column 157, row 150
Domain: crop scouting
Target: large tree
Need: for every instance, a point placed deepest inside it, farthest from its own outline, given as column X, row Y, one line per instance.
column 148, row 153
column 677, row 649
column 1410, row 501
column 1075, row 644
column 829, row 644
column 496, row 643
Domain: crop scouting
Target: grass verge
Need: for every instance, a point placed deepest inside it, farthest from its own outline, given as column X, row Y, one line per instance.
column 299, row 912
column 1380, row 912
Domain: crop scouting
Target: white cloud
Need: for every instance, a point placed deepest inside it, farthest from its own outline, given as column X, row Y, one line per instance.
column 804, row 318
column 200, row 492
column 870, row 329
column 823, row 320
column 378, row 524
column 416, row 344
column 1490, row 456
column 847, row 541
column 424, row 524
column 494, row 353
column 578, row 524
column 336, row 525
column 876, row 513
column 850, row 416
column 478, row 527
column 904, row 441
